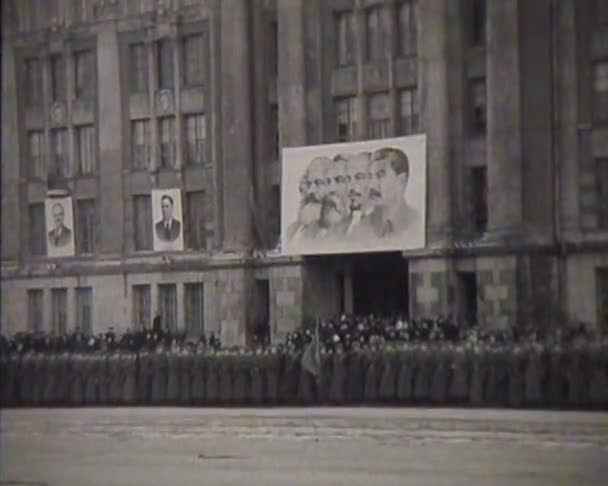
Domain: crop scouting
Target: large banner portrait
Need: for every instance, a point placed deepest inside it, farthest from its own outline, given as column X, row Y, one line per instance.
column 168, row 228
column 60, row 227
column 354, row 197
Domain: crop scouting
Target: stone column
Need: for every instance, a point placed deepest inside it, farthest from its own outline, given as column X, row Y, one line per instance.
column 236, row 124
column 434, row 112
column 504, row 119
column 110, row 141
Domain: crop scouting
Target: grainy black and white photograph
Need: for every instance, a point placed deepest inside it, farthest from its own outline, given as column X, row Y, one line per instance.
column 304, row 242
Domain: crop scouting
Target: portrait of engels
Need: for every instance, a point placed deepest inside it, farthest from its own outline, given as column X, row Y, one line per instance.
column 356, row 197
column 60, row 235
column 168, row 228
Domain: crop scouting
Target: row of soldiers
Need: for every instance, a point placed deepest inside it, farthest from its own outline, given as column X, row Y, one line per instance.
column 477, row 374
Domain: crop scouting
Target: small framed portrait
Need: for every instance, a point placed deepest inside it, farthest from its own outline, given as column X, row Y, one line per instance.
column 168, row 228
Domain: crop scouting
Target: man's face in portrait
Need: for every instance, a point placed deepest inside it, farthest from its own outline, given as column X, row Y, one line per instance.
column 335, row 203
column 58, row 215
column 317, row 175
column 390, row 173
column 358, row 181
column 167, row 208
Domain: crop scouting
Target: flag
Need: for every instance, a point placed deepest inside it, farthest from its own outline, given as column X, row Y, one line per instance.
column 311, row 359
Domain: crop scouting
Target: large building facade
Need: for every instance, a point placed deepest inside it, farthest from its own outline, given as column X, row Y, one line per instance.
column 108, row 101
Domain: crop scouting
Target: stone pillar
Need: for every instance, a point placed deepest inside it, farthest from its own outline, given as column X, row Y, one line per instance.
column 291, row 83
column 434, row 105
column 110, row 164
column 236, row 124
column 11, row 157
column 504, row 119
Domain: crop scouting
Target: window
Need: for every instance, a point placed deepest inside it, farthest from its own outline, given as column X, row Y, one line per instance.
column 194, row 58
column 167, row 299
column 273, row 62
column 141, row 306
column 83, row 74
column 479, row 199
column 195, row 231
column 59, row 309
column 165, row 64
column 138, row 68
column 478, row 106
column 408, row 111
column 85, row 226
column 347, row 118
column 36, row 155
column 379, row 116
column 59, row 140
column 195, row 308
column 33, row 82
column 407, row 28
column 478, row 23
column 142, row 219
column 84, row 309
column 140, row 144
column 37, row 226
column 602, row 192
column 601, row 12
column 345, row 42
column 601, row 275
column 166, row 130
column 600, row 90
column 85, row 149
column 196, row 137
column 275, row 143
column 35, row 305
column 375, row 34
column 58, row 80
column 275, row 215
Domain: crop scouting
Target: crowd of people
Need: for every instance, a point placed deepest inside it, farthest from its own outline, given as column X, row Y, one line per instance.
column 361, row 359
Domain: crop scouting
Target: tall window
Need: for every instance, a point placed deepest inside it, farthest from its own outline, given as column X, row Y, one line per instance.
column 479, row 198
column 347, row 118
column 140, row 144
column 138, row 72
column 379, row 124
column 85, row 149
column 275, row 215
column 165, row 64
column 375, row 34
column 85, row 226
column 167, row 299
column 477, row 98
column 36, row 155
column 195, row 308
column 274, row 135
column 194, row 60
column 84, row 309
column 58, row 78
column 196, row 138
column 33, row 82
column 59, row 310
column 274, row 49
column 600, row 91
column 408, row 28
column 166, row 130
column 37, row 227
column 477, row 24
column 195, row 215
column 345, row 38
column 142, row 222
column 408, row 111
column 602, row 192
column 141, row 306
column 79, row 11
column 35, row 306
column 601, row 278
column 59, row 140
column 83, row 74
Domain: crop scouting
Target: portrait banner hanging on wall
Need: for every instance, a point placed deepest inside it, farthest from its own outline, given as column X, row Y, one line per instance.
column 354, row 197
column 60, row 227
column 168, row 230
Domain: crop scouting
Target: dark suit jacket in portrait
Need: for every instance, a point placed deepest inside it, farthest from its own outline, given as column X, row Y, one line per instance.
column 60, row 237
column 170, row 234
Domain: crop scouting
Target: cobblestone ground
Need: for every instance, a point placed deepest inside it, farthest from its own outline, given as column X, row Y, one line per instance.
column 279, row 446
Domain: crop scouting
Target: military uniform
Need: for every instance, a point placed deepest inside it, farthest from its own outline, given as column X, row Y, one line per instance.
column 424, row 373
column 77, row 380
column 273, row 372
column 478, row 375
column 557, row 372
column 337, row 394
column 128, row 365
column 441, row 375
column 145, row 375
column 173, row 377
column 115, row 379
column 459, row 383
column 598, row 383
column 388, row 390
column 186, row 361
column 533, row 375
column 212, row 381
column 578, row 374
column 159, row 377
column 355, row 378
column 371, row 376
column 258, row 366
column 198, row 377
column 51, row 364
column 405, row 375
column 226, row 371
column 103, row 373
column 240, row 392
column 290, row 377
column 516, row 376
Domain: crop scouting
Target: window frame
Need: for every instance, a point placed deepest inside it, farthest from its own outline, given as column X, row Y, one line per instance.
column 345, row 48
column 86, row 293
column 142, row 242
column 35, row 317
column 86, row 217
